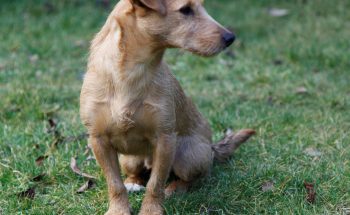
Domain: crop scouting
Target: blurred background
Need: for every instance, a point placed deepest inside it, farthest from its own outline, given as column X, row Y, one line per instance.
column 287, row 76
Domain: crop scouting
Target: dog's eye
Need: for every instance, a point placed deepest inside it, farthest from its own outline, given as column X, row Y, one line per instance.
column 187, row 11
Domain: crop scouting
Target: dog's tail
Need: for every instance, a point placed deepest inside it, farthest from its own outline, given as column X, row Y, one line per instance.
column 225, row 148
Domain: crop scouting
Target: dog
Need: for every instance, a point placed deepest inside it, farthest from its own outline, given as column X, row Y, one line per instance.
column 136, row 113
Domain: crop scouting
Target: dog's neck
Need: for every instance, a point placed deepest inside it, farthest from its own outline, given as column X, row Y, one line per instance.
column 128, row 60
column 138, row 58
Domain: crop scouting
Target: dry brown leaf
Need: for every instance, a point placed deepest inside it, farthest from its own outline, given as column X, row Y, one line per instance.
column 2, row 66
column 270, row 100
column 310, row 192
column 39, row 177
column 278, row 12
column 278, row 62
column 80, row 43
column 29, row 193
column 33, row 58
column 39, row 161
column 52, row 127
column 52, row 124
column 301, row 90
column 88, row 185
column 267, row 186
column 74, row 167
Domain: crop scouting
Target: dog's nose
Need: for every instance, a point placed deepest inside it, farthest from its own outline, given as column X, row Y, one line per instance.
column 228, row 38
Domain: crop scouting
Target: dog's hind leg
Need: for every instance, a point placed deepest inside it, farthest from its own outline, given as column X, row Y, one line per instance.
column 177, row 186
column 193, row 159
column 134, row 168
column 195, row 155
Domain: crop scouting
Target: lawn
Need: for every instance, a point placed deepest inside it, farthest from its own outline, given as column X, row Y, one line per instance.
column 287, row 77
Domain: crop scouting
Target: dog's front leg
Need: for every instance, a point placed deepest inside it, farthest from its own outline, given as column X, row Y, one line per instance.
column 107, row 158
column 163, row 156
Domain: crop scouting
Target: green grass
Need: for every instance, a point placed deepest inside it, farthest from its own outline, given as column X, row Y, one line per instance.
column 248, row 90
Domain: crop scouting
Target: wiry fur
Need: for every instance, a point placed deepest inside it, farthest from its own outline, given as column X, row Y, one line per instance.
column 136, row 113
column 225, row 148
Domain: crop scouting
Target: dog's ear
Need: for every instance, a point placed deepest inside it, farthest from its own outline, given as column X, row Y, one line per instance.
column 156, row 5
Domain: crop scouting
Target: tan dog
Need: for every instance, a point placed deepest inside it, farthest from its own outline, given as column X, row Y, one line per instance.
column 136, row 113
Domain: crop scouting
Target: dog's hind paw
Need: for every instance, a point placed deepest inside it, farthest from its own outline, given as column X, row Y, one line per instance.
column 131, row 188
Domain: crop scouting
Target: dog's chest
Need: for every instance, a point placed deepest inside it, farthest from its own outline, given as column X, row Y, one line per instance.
column 132, row 129
column 134, row 141
column 130, row 114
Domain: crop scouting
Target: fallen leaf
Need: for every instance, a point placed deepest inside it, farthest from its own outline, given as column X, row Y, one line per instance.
column 270, row 100
column 2, row 66
column 52, row 123
column 267, row 186
column 278, row 62
column 33, row 58
column 88, row 185
column 74, row 167
column 278, row 12
column 80, row 43
column 39, row 161
column 39, row 177
column 211, row 77
column 312, row 152
column 29, row 193
column 52, row 128
column 310, row 192
column 301, row 90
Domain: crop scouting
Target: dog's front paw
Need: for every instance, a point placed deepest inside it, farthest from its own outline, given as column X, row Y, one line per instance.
column 131, row 187
column 118, row 208
column 151, row 207
column 114, row 211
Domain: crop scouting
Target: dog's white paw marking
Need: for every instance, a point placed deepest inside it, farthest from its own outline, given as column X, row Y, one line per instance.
column 134, row 187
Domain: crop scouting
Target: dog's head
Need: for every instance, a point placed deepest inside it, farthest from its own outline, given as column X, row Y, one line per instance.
column 182, row 24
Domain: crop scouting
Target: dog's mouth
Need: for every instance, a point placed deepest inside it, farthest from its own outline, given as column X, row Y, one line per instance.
column 206, row 53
